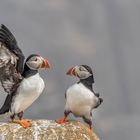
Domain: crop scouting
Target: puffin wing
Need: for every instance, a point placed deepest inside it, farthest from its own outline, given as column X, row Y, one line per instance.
column 11, row 61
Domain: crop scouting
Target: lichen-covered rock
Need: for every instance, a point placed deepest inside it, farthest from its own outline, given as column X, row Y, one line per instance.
column 46, row 130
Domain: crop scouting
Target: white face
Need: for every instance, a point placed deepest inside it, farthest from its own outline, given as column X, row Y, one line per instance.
column 82, row 72
column 35, row 62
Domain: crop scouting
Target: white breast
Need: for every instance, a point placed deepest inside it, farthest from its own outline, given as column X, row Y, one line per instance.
column 80, row 100
column 29, row 90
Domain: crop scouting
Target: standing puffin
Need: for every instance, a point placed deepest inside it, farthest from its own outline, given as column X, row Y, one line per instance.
column 20, row 80
column 80, row 97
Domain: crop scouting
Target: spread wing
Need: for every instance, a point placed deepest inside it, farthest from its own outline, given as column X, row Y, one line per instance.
column 11, row 61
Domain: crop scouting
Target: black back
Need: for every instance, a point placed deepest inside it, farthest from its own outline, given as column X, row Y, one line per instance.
column 88, row 82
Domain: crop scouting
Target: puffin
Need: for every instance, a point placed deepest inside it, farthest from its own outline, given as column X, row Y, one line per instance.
column 19, row 79
column 80, row 97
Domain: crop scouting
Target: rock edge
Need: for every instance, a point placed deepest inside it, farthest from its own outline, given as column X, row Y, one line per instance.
column 47, row 130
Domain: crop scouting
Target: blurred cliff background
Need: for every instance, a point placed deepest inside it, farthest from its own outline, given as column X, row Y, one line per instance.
column 104, row 34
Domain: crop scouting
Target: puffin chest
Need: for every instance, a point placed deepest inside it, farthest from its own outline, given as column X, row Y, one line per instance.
column 79, row 98
column 29, row 90
column 32, row 84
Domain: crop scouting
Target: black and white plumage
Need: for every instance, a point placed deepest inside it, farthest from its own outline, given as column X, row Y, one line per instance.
column 80, row 97
column 20, row 80
column 11, row 61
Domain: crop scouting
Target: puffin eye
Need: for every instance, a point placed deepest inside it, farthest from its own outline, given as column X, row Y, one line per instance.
column 36, row 59
column 81, row 68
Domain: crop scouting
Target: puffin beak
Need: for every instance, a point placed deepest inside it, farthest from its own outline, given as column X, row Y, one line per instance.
column 45, row 64
column 72, row 72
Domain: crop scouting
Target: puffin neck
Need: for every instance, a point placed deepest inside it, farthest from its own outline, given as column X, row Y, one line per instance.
column 87, row 82
column 28, row 72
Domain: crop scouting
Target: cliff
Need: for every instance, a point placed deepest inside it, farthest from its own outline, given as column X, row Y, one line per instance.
column 46, row 130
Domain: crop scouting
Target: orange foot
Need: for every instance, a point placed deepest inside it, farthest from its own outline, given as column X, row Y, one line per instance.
column 61, row 121
column 23, row 123
column 89, row 130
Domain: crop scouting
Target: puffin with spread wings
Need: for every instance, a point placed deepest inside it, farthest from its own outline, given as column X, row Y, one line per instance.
column 80, row 97
column 20, row 80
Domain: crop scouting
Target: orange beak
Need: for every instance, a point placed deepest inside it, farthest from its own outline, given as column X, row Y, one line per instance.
column 46, row 64
column 72, row 72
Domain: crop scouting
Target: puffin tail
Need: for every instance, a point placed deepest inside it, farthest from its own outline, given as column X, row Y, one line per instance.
column 6, row 106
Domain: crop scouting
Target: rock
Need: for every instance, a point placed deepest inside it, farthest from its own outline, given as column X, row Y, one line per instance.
column 46, row 130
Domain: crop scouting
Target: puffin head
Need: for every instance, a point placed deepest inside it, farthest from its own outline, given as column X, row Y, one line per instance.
column 81, row 71
column 35, row 62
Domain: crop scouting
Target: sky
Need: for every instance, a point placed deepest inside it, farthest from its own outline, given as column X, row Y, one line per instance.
column 103, row 34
